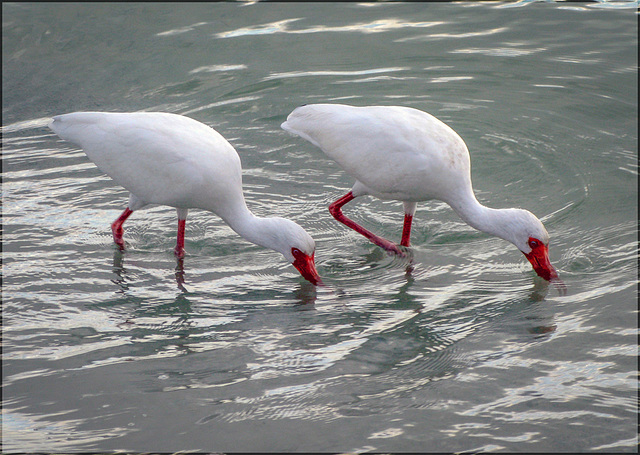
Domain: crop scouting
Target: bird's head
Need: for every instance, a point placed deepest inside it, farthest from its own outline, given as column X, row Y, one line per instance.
column 538, row 255
column 297, row 246
column 528, row 233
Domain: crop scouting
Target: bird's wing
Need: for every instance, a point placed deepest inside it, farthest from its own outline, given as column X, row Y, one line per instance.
column 385, row 147
column 159, row 157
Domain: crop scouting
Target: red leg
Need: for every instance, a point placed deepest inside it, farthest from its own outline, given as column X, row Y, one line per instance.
column 406, row 229
column 180, row 243
column 336, row 211
column 118, row 230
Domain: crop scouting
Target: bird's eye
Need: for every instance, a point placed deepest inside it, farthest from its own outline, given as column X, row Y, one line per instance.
column 296, row 252
column 533, row 243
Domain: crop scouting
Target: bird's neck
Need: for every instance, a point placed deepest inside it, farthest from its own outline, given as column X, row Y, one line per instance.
column 492, row 221
column 252, row 228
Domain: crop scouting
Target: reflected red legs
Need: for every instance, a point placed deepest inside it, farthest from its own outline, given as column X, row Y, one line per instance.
column 336, row 210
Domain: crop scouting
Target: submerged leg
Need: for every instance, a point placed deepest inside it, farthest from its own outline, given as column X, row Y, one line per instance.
column 409, row 210
column 118, row 230
column 182, row 224
column 336, row 211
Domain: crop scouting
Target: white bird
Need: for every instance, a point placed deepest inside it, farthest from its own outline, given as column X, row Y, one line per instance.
column 404, row 154
column 169, row 159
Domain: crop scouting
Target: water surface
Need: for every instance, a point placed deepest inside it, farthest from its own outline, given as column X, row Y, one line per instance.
column 470, row 351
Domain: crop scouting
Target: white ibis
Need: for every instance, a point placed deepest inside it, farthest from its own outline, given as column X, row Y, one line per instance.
column 404, row 154
column 169, row 159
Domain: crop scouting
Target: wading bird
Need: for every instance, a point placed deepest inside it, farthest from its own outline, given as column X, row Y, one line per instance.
column 404, row 154
column 169, row 159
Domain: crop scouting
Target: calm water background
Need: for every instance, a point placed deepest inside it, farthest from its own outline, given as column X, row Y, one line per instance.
column 470, row 351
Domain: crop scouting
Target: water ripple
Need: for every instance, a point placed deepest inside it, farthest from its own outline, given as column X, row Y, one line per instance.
column 458, row 346
column 446, row 36
column 293, row 74
column 499, row 51
column 376, row 26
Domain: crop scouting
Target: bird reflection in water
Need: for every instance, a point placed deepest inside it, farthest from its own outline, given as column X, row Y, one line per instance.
column 180, row 274
column 304, row 295
column 121, row 272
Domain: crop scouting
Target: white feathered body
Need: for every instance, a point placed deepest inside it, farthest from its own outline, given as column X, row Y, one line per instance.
column 160, row 158
column 394, row 152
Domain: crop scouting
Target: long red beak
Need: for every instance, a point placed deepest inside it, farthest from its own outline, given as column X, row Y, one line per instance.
column 307, row 268
column 539, row 258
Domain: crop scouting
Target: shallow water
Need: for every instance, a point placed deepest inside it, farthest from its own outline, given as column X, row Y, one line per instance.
column 468, row 351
